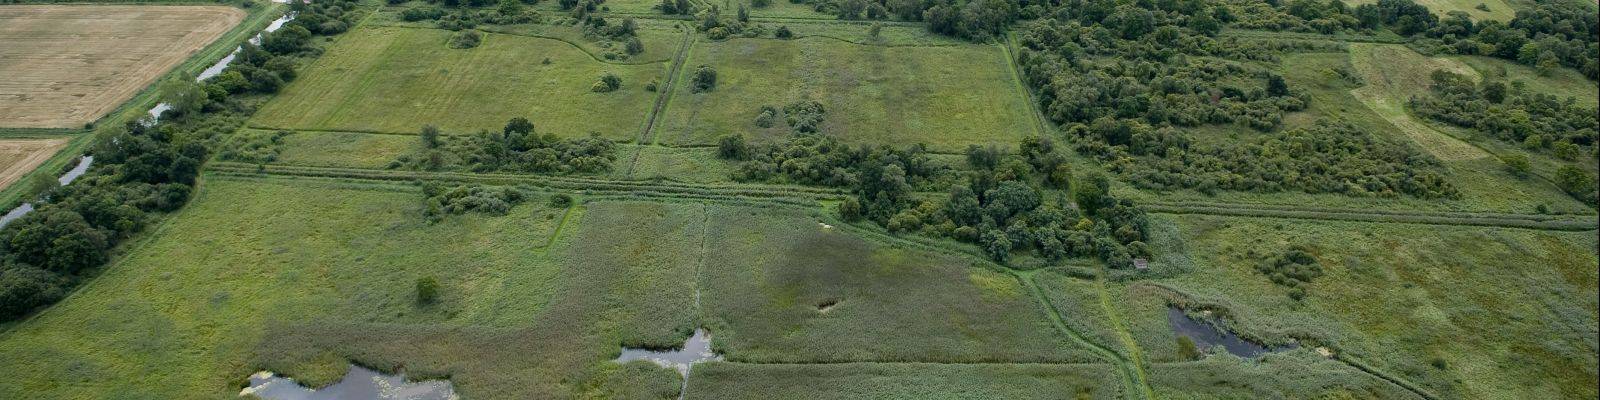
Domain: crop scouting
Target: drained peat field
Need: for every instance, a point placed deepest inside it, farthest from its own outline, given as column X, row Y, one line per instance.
column 614, row 200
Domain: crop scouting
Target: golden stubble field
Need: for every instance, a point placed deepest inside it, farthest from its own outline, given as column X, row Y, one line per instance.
column 66, row 65
column 18, row 156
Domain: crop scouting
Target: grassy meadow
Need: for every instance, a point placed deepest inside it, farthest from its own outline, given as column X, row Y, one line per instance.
column 945, row 96
column 1499, row 10
column 1462, row 312
column 395, row 80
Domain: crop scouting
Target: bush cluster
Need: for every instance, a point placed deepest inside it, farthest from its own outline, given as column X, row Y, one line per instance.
column 1293, row 268
column 442, row 200
column 516, row 148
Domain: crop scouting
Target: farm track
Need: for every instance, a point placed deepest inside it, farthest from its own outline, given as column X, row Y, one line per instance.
column 1133, row 376
column 646, row 135
column 1559, row 222
column 588, row 185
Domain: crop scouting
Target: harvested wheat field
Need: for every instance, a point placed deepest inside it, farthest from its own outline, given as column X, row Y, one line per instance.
column 66, row 65
column 18, row 156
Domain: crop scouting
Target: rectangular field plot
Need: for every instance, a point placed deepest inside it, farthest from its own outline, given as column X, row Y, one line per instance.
column 62, row 66
column 946, row 96
column 396, row 80
column 791, row 290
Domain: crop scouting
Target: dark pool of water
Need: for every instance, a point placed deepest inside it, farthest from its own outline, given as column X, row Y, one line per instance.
column 1206, row 336
column 696, row 350
column 358, row 384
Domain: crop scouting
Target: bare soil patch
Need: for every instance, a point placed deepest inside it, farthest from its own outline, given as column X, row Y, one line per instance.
column 19, row 156
column 66, row 65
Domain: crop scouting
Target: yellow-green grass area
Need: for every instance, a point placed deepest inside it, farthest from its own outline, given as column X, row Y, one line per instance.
column 945, row 96
column 1499, row 10
column 1485, row 183
column 783, row 9
column 1462, row 312
column 395, row 80
column 660, row 37
column 683, row 164
column 181, row 313
column 904, row 381
column 790, row 289
column 344, row 149
column 1392, row 74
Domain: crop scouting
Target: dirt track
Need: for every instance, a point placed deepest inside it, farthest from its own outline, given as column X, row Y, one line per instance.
column 66, row 65
column 19, row 156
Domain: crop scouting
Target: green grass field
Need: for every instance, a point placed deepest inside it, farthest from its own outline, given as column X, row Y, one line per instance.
column 398, row 79
column 1463, row 312
column 946, row 96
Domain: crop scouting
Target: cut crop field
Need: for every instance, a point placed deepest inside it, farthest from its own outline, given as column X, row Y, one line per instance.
column 395, row 80
column 67, row 65
column 948, row 97
column 19, row 156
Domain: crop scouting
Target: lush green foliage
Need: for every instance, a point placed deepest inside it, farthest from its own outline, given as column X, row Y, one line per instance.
column 516, row 148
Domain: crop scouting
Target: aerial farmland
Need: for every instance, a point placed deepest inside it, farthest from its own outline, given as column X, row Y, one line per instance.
column 805, row 199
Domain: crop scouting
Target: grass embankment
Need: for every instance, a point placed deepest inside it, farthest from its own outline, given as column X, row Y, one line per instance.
column 945, row 96
column 1465, row 312
column 395, row 80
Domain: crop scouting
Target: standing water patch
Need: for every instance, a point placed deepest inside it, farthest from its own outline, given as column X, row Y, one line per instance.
column 696, row 350
column 1206, row 336
column 358, row 384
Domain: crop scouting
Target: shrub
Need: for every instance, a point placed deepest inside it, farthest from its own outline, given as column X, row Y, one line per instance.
column 25, row 288
column 704, row 79
column 634, row 47
column 442, row 200
column 607, row 83
column 783, row 32
column 733, row 147
column 466, row 39
column 804, row 116
column 560, row 200
column 1517, row 164
column 767, row 118
column 427, row 290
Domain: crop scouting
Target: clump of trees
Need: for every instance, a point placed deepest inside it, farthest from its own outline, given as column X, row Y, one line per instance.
column 145, row 168
column 1002, row 204
column 1537, row 121
column 442, row 200
column 427, row 290
column 516, row 148
column 805, row 116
